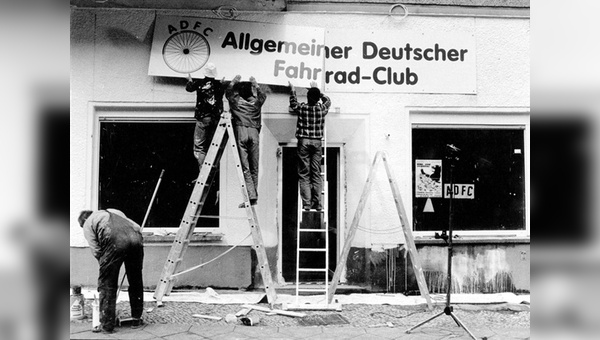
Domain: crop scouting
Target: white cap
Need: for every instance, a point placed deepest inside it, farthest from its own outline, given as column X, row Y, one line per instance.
column 210, row 70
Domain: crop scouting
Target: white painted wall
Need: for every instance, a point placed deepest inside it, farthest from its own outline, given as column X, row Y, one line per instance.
column 109, row 62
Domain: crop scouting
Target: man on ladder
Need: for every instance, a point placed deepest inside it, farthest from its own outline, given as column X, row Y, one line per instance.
column 209, row 106
column 309, row 132
column 245, row 102
column 311, row 253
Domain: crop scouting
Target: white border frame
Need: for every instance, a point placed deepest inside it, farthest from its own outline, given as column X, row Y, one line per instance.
column 490, row 116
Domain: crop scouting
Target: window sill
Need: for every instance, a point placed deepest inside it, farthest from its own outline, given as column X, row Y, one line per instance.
column 196, row 238
column 430, row 240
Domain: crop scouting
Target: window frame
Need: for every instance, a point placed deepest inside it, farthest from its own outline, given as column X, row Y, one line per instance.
column 474, row 118
column 142, row 113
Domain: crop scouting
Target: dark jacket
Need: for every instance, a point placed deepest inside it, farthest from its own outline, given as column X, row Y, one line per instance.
column 209, row 97
column 110, row 230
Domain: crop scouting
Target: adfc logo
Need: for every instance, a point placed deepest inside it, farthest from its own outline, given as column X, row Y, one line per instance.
column 186, row 51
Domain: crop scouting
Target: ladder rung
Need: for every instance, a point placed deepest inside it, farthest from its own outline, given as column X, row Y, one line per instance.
column 312, row 269
column 312, row 249
column 313, row 230
column 312, row 289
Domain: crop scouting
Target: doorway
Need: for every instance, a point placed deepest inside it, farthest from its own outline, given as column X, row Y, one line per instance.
column 289, row 214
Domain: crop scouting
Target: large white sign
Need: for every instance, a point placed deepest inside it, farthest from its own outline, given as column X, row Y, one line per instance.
column 338, row 60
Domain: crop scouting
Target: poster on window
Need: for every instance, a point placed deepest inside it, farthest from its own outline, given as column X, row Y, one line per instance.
column 428, row 178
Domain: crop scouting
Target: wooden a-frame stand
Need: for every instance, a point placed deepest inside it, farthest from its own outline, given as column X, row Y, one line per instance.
column 410, row 243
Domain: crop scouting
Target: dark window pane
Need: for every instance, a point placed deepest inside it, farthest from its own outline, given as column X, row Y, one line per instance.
column 131, row 158
column 491, row 160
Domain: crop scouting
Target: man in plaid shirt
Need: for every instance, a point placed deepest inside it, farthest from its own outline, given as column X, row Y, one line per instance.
column 309, row 132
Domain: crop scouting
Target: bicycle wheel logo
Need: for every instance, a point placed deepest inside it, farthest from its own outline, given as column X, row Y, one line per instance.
column 186, row 51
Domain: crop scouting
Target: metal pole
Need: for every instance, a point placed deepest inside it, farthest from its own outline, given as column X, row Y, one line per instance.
column 449, row 274
column 152, row 199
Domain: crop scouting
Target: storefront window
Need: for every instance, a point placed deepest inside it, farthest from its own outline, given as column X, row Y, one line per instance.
column 132, row 155
column 487, row 173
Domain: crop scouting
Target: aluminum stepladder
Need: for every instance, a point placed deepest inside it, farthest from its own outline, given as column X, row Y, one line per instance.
column 410, row 243
column 223, row 134
column 314, row 223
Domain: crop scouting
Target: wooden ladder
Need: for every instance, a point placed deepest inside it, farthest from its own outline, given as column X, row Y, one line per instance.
column 194, row 207
column 410, row 243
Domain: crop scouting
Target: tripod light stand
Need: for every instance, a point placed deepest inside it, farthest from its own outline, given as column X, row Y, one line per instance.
column 452, row 156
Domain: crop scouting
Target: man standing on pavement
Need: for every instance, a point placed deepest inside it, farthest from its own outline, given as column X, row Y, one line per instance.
column 114, row 239
column 309, row 132
column 209, row 106
column 245, row 102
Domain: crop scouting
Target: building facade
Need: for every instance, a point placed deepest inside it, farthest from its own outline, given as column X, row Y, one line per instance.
column 414, row 81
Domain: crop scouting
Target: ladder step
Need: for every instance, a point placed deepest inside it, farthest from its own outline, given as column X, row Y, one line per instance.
column 312, row 249
column 312, row 230
column 312, row 289
column 312, row 269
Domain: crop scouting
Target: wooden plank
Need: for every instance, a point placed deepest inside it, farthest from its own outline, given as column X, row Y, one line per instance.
column 352, row 230
column 410, row 242
column 277, row 311
column 210, row 317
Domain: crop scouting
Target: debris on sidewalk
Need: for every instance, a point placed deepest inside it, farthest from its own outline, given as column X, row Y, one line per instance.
column 211, row 292
column 230, row 318
column 277, row 311
column 210, row 317
column 250, row 320
column 243, row 312
column 387, row 324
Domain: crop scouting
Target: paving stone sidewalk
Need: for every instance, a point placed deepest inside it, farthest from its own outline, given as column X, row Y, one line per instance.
column 174, row 321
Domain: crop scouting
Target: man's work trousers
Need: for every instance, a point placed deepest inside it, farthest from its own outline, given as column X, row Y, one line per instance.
column 203, row 135
column 310, row 153
column 108, row 280
column 248, row 147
